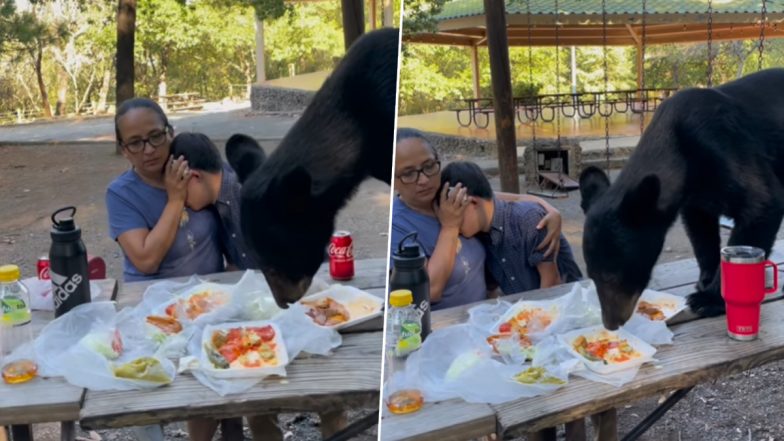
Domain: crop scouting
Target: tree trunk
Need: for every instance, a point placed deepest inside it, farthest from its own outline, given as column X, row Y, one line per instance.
column 388, row 14
column 126, row 29
column 107, row 78
column 261, row 72
column 37, row 58
column 353, row 20
column 501, row 77
column 62, row 93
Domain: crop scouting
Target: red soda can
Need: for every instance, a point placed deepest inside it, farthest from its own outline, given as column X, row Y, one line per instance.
column 43, row 268
column 341, row 256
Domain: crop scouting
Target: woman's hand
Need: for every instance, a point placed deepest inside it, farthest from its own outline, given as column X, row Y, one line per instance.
column 552, row 241
column 451, row 206
column 176, row 177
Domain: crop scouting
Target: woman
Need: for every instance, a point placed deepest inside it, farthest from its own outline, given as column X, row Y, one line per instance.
column 159, row 236
column 455, row 263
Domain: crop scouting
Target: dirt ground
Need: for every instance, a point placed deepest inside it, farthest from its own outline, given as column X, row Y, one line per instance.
column 35, row 180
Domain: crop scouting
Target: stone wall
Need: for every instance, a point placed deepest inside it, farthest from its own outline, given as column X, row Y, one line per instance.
column 278, row 99
column 457, row 146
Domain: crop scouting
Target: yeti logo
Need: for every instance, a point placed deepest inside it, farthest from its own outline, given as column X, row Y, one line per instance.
column 63, row 287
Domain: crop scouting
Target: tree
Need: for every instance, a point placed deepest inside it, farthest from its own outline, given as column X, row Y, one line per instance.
column 126, row 29
column 31, row 36
column 419, row 15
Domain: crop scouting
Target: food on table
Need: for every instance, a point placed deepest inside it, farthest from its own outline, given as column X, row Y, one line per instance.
column 327, row 311
column 526, row 321
column 405, row 401
column 243, row 348
column 462, row 363
column 19, row 371
column 168, row 325
column 107, row 343
column 145, row 369
column 197, row 304
column 650, row 310
column 605, row 347
column 534, row 375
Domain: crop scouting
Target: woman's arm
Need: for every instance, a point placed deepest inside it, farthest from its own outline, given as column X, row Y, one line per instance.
column 450, row 215
column 552, row 220
column 548, row 274
column 147, row 248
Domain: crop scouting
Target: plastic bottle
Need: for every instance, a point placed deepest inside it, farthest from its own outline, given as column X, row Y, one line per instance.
column 409, row 272
column 16, row 326
column 404, row 336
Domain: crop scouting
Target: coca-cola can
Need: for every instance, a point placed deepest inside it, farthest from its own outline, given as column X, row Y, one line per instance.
column 43, row 268
column 341, row 256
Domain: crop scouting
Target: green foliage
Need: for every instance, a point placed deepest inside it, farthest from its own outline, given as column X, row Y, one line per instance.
column 434, row 78
column 418, row 15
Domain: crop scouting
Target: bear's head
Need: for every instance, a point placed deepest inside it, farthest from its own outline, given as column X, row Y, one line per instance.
column 283, row 224
column 623, row 235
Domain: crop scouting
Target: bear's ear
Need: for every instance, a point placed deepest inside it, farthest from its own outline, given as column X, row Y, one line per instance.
column 244, row 155
column 593, row 184
column 293, row 192
column 639, row 205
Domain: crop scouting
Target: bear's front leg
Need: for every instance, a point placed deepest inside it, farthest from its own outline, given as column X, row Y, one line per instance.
column 703, row 230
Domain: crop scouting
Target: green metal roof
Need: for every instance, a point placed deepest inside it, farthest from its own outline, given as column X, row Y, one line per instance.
column 470, row 8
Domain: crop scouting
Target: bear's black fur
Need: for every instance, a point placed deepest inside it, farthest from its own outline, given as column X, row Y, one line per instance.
column 290, row 200
column 706, row 153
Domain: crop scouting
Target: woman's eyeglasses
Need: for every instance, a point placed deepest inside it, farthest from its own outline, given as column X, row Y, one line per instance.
column 429, row 169
column 155, row 139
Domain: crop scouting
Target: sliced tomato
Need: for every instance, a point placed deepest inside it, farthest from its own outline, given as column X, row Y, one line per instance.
column 505, row 328
column 117, row 344
column 171, row 310
column 267, row 333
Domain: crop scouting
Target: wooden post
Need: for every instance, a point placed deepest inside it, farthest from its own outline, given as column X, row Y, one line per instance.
column 353, row 20
column 475, row 71
column 261, row 71
column 500, row 74
column 388, row 14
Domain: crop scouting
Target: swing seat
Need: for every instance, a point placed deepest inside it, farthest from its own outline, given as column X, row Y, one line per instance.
column 566, row 183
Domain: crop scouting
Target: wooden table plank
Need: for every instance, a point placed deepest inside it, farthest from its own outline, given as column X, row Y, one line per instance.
column 45, row 399
column 348, row 378
column 446, row 420
column 703, row 352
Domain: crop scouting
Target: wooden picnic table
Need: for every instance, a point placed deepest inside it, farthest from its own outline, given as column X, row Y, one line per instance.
column 46, row 400
column 701, row 352
column 348, row 378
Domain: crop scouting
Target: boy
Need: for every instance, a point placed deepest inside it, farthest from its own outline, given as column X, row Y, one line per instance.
column 214, row 183
column 508, row 232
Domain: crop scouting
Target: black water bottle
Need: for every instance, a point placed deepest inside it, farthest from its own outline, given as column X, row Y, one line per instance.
column 409, row 272
column 68, row 264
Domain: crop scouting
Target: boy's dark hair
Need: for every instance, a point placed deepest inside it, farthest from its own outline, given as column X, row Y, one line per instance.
column 409, row 133
column 136, row 103
column 471, row 176
column 198, row 150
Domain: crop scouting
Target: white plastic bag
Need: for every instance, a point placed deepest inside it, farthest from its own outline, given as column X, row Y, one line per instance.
column 62, row 350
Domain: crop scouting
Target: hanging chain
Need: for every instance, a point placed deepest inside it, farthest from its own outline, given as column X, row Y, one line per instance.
column 710, row 43
column 606, row 82
column 643, row 93
column 557, row 77
column 761, row 47
column 531, row 75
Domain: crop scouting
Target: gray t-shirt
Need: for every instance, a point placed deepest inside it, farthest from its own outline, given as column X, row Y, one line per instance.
column 466, row 284
column 133, row 204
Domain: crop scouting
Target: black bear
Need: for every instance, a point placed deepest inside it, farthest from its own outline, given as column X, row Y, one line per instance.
column 289, row 201
column 706, row 153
